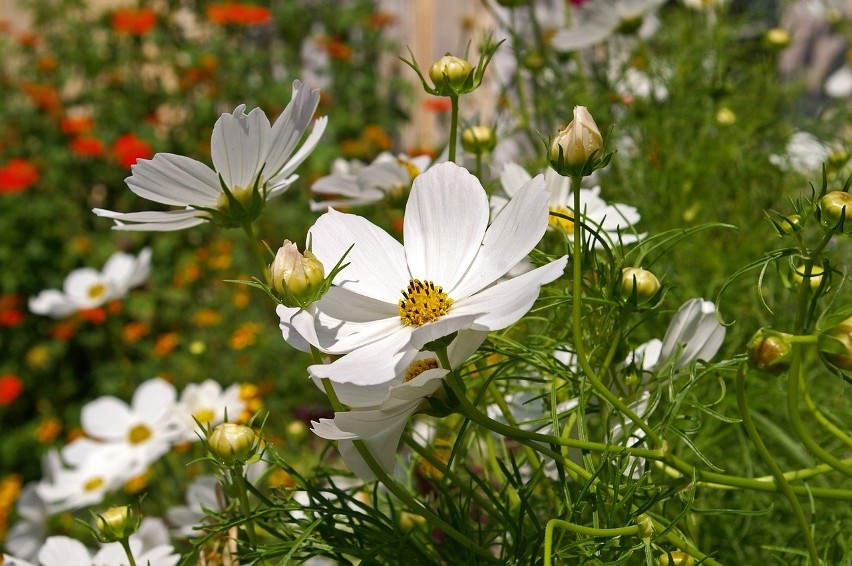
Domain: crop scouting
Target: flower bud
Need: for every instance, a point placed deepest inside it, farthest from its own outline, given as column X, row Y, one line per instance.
column 815, row 278
column 117, row 523
column 232, row 443
column 644, row 283
column 769, row 351
column 835, row 208
column 679, row 558
column 450, row 71
column 478, row 139
column 777, row 38
column 646, row 528
column 842, row 333
column 789, row 225
column 291, row 272
column 576, row 143
column 725, row 116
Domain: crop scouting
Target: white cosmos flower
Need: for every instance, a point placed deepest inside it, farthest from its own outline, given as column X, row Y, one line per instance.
column 357, row 184
column 246, row 151
column 30, row 530
column 392, row 299
column 596, row 21
column 805, row 153
column 611, row 221
column 208, row 403
column 9, row 560
column 88, row 288
column 380, row 412
column 693, row 334
column 87, row 482
column 65, row 551
column 144, row 430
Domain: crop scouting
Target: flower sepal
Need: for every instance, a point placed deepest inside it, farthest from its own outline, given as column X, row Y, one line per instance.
column 238, row 207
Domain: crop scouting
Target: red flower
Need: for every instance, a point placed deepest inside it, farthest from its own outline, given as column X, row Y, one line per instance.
column 11, row 317
column 132, row 21
column 43, row 96
column 239, row 14
column 11, row 388
column 17, row 175
column 76, row 125
column 87, row 146
column 438, row 104
column 128, row 148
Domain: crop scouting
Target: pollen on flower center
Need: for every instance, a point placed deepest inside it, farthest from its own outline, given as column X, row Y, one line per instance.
column 93, row 483
column 423, row 302
column 138, row 434
column 96, row 291
column 418, row 367
column 559, row 221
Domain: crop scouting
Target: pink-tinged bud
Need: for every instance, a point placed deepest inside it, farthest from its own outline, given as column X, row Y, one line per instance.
column 299, row 274
column 233, row 443
column 576, row 143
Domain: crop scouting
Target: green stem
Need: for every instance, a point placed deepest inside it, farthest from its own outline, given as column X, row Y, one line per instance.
column 125, row 544
column 589, row 531
column 773, row 466
column 823, row 420
column 601, row 389
column 240, row 481
column 255, row 248
column 454, row 126
column 399, row 491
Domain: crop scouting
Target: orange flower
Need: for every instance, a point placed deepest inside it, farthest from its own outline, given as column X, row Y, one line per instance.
column 47, row 63
column 438, row 104
column 166, row 343
column 336, row 48
column 132, row 21
column 238, row 13
column 11, row 388
column 28, row 39
column 134, row 331
column 43, row 96
column 87, row 146
column 206, row 317
column 11, row 317
column 95, row 316
column 47, row 431
column 128, row 148
column 381, row 19
column 245, row 335
column 64, row 331
column 76, row 125
column 17, row 175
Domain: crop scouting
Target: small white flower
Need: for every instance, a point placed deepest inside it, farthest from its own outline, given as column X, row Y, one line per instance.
column 611, row 221
column 805, row 153
column 143, row 430
column 28, row 534
column 246, row 151
column 596, row 21
column 356, row 184
column 839, row 83
column 94, row 475
column 208, row 403
column 65, row 551
column 88, row 288
column 392, row 299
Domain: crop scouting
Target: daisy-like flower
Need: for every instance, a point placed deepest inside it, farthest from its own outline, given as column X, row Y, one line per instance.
column 379, row 413
column 88, row 288
column 693, row 334
column 252, row 163
column 65, row 551
column 356, row 184
column 27, row 535
column 393, row 299
column 208, row 403
column 805, row 153
column 87, row 483
column 596, row 21
column 143, row 430
column 612, row 222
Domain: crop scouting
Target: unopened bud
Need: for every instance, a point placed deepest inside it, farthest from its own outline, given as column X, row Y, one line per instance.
column 789, row 225
column 478, row 139
column 450, row 71
column 637, row 280
column 842, row 334
column 646, row 528
column 815, row 278
column 835, row 211
column 301, row 275
column 769, row 351
column 725, row 116
column 117, row 523
column 777, row 38
column 233, row 443
column 576, row 143
column 678, row 558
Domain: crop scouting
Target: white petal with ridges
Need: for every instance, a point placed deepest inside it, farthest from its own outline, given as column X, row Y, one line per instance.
column 238, row 146
column 378, row 362
column 175, row 180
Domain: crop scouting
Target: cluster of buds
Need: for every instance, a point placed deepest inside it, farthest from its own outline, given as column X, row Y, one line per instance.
column 453, row 76
column 577, row 149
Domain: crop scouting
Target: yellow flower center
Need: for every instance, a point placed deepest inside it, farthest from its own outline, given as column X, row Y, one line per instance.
column 410, row 167
column 93, row 483
column 566, row 224
column 96, row 291
column 203, row 416
column 418, row 367
column 423, row 302
column 241, row 195
column 138, row 434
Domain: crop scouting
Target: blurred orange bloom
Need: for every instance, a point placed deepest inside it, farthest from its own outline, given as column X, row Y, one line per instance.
column 166, row 343
column 47, row 64
column 381, row 19
column 43, row 96
column 64, row 331
column 17, row 175
column 133, row 21
column 47, row 430
column 245, row 335
column 238, row 13
column 134, row 331
column 87, row 146
column 438, row 104
column 128, row 148
column 95, row 316
column 11, row 388
column 76, row 125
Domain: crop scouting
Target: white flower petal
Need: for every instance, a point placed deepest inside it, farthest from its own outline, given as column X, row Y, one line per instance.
column 377, row 267
column 154, row 221
column 299, row 157
column 297, row 327
column 175, row 180
column 513, row 177
column 154, row 400
column 444, row 326
column 445, row 221
column 695, row 330
column 52, row 303
column 239, row 145
column 290, row 125
column 107, row 418
column 64, row 551
column 378, row 362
